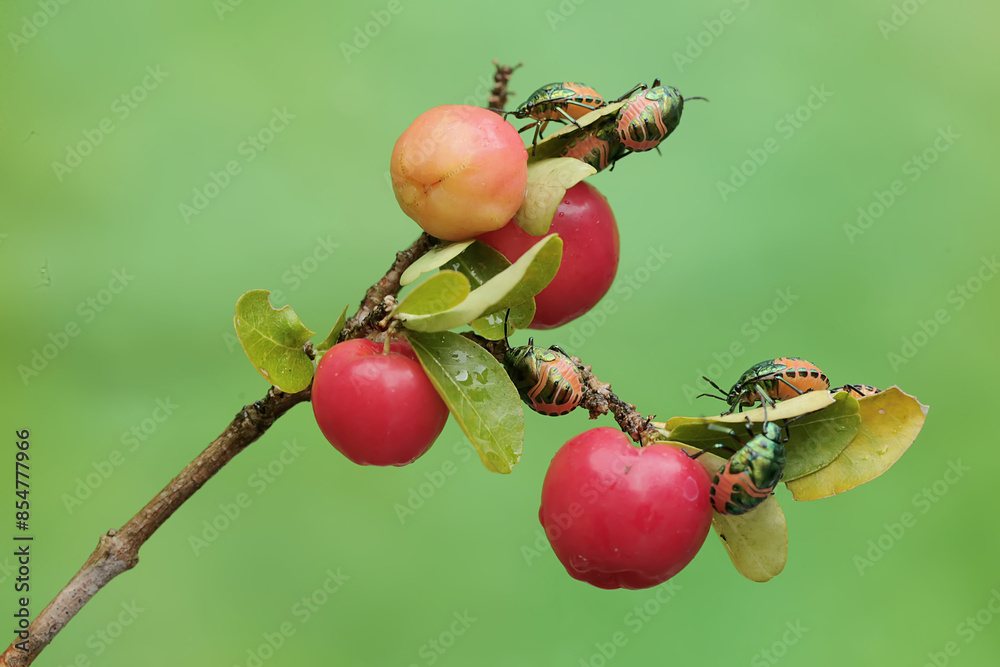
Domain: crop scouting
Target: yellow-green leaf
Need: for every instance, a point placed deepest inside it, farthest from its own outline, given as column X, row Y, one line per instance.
column 548, row 181
column 273, row 340
column 890, row 422
column 522, row 280
column 434, row 258
column 331, row 338
column 478, row 392
column 757, row 542
column 793, row 407
column 438, row 294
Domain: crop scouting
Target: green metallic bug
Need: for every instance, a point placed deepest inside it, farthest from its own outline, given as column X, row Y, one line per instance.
column 649, row 116
column 546, row 379
column 562, row 101
column 772, row 380
column 752, row 472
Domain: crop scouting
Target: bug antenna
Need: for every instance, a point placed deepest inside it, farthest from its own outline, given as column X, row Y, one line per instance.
column 698, row 97
column 714, row 385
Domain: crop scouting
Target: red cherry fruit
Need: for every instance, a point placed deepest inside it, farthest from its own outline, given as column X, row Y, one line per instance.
column 620, row 516
column 376, row 409
column 589, row 233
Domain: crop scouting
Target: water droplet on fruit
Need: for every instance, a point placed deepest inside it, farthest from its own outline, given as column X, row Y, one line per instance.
column 579, row 562
column 691, row 488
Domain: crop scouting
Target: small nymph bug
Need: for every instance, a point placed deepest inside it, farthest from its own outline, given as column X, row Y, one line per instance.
column 547, row 380
column 772, row 380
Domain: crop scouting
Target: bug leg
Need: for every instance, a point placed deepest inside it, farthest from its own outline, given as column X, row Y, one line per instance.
column 799, row 391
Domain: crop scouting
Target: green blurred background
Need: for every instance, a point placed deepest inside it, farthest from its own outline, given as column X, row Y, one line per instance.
column 922, row 87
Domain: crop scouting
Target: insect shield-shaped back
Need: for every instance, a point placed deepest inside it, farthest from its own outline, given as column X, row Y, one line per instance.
column 648, row 117
column 773, row 380
column 751, row 474
column 563, row 101
column 546, row 379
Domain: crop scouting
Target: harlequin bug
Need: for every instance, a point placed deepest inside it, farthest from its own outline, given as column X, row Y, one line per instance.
column 546, row 379
column 563, row 102
column 649, row 116
column 861, row 390
column 772, row 380
column 752, row 472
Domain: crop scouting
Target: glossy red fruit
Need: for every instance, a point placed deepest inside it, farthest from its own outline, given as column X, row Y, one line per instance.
column 620, row 516
column 589, row 233
column 376, row 409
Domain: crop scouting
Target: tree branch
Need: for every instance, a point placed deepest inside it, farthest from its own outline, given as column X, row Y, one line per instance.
column 118, row 550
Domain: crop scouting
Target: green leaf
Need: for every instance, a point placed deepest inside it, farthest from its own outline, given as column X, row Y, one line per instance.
column 522, row 280
column 548, row 181
column 478, row 393
column 817, row 439
column 434, row 258
column 273, row 340
column 479, row 263
column 757, row 542
column 890, row 422
column 439, row 293
column 331, row 338
column 555, row 144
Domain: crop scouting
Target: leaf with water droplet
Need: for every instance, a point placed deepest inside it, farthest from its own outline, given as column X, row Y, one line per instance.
column 478, row 392
column 548, row 181
column 890, row 422
column 273, row 339
column 479, row 263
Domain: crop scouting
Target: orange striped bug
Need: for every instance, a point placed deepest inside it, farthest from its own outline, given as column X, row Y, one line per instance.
column 772, row 380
